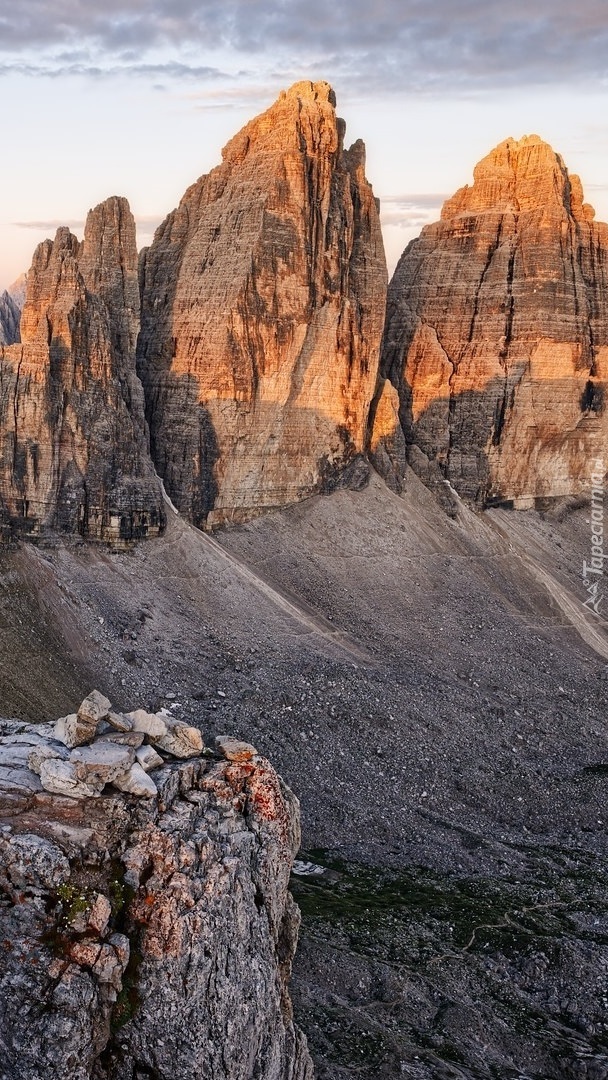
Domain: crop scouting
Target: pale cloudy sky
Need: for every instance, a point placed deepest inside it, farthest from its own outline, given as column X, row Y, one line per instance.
column 137, row 97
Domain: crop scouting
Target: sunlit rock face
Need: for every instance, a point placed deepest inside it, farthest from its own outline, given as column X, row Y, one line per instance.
column 73, row 443
column 263, row 300
column 497, row 333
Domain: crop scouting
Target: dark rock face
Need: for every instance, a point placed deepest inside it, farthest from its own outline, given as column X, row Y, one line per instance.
column 147, row 937
column 263, row 299
column 497, row 333
column 74, row 450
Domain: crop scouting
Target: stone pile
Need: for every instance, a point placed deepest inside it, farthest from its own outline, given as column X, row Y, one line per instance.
column 83, row 752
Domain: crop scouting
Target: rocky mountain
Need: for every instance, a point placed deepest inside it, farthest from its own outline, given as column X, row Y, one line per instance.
column 145, row 932
column 74, row 450
column 497, row 333
column 262, row 312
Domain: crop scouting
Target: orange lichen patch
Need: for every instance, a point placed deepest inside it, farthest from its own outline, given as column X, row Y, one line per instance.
column 238, row 772
column 84, row 953
column 265, row 795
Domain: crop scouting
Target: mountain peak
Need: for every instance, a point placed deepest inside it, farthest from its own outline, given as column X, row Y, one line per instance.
column 521, row 175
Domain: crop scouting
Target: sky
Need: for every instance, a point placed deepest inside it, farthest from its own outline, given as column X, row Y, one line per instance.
column 137, row 97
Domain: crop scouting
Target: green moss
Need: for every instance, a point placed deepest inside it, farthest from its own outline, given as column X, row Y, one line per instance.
column 74, row 899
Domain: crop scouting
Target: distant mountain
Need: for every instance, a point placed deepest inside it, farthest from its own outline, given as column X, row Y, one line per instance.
column 11, row 306
column 10, row 314
column 18, row 290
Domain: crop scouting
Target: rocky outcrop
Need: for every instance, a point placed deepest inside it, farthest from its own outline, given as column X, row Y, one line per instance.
column 74, row 447
column 147, row 936
column 497, row 333
column 263, row 300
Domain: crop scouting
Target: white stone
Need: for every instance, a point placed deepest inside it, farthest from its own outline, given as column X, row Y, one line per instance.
column 148, row 758
column 59, row 777
column 102, row 761
column 136, row 782
column 153, row 726
column 38, row 754
column 94, row 708
column 181, row 740
column 119, row 722
column 234, row 749
column 73, row 731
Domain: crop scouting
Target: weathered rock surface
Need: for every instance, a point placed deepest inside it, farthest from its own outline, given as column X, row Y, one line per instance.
column 497, row 333
column 263, row 300
column 148, row 937
column 73, row 442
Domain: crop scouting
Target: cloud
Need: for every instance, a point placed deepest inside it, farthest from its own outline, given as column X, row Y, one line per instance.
column 50, row 225
column 52, row 68
column 410, row 211
column 146, row 223
column 373, row 45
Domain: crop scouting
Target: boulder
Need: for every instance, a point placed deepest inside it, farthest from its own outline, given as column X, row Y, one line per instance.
column 149, row 724
column 181, row 740
column 119, row 722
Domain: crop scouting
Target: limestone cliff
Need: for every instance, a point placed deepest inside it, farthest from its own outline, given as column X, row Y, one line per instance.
column 263, row 300
column 73, row 442
column 146, row 937
column 497, row 333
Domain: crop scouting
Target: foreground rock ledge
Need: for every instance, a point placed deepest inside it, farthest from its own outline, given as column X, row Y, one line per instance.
column 149, row 937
